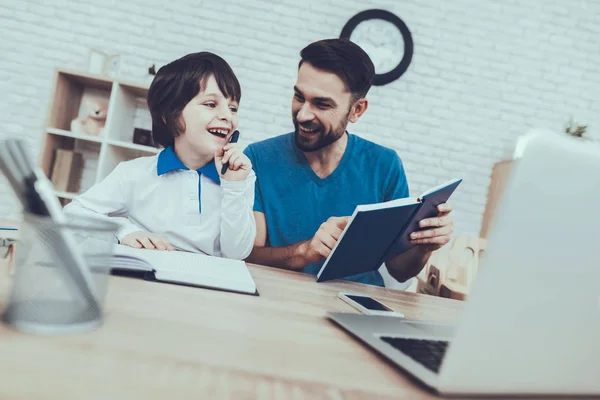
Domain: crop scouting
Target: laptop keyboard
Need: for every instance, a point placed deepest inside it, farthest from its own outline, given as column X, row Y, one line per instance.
column 426, row 352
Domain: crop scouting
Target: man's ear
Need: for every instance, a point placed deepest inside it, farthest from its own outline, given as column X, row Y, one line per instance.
column 358, row 109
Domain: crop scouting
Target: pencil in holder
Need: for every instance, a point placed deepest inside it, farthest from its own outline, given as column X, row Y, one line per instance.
column 61, row 275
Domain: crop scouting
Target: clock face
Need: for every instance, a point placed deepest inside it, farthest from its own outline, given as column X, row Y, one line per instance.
column 382, row 41
column 385, row 38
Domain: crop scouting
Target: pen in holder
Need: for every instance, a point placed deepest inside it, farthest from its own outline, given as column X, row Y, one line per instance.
column 7, row 254
column 44, row 298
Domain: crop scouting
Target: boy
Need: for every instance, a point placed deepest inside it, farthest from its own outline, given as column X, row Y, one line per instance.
column 178, row 198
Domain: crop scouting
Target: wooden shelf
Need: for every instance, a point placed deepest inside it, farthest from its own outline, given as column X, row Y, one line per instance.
column 104, row 82
column 65, row 195
column 87, row 80
column 133, row 146
column 71, row 96
column 135, row 89
column 500, row 176
column 79, row 136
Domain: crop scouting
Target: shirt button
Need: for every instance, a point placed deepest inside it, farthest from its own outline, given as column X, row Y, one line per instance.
column 192, row 175
column 192, row 196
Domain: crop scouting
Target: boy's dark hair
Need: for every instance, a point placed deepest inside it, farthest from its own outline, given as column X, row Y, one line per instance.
column 178, row 82
column 345, row 59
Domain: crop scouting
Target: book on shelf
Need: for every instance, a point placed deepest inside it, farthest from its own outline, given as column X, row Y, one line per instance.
column 67, row 171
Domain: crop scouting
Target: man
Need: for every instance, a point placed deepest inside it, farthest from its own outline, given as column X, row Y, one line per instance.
column 309, row 181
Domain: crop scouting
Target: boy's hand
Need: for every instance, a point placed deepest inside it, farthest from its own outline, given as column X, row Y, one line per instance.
column 239, row 165
column 146, row 240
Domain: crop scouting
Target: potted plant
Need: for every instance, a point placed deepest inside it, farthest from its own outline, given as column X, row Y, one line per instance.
column 575, row 130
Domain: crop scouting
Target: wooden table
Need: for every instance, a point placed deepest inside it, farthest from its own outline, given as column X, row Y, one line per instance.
column 166, row 341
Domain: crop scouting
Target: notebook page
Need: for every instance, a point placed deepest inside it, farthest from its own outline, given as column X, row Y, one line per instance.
column 388, row 204
column 95, row 249
column 131, row 263
column 193, row 268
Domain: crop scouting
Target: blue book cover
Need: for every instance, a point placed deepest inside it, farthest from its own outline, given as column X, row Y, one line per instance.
column 428, row 209
column 377, row 232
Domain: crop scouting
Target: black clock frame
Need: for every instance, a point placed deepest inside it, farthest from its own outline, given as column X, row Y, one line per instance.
column 400, row 69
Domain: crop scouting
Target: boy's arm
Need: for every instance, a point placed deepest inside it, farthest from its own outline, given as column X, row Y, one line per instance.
column 238, row 228
column 106, row 199
column 298, row 255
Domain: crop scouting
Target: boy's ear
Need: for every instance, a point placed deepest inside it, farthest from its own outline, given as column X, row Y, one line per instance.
column 358, row 109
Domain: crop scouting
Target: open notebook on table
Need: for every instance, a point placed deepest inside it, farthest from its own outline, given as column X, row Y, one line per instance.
column 184, row 268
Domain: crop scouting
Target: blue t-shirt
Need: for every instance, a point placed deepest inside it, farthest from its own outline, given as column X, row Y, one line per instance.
column 296, row 201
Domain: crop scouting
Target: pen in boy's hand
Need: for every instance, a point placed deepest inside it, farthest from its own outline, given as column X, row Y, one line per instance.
column 233, row 139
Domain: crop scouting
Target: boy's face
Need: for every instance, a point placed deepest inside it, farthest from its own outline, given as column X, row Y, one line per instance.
column 320, row 108
column 209, row 119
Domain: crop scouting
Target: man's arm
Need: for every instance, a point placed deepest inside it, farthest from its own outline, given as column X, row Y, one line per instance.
column 288, row 257
column 297, row 255
column 408, row 264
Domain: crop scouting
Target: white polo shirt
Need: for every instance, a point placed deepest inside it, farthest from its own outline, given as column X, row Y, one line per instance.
column 194, row 210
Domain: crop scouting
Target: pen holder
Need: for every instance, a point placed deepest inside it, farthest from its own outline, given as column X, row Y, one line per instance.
column 50, row 296
column 7, row 254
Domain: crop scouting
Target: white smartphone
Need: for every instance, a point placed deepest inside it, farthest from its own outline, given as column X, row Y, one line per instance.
column 368, row 305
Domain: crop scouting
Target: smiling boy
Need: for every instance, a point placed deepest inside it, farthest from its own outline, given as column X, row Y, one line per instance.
column 178, row 198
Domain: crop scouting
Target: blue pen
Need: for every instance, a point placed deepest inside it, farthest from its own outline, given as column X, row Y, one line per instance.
column 234, row 138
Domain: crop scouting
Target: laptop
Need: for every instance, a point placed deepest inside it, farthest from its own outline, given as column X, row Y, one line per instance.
column 531, row 323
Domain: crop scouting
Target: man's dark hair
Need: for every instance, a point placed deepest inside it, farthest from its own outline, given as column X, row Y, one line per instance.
column 345, row 59
column 178, row 82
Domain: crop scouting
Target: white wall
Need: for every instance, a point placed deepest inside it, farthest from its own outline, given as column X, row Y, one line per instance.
column 483, row 72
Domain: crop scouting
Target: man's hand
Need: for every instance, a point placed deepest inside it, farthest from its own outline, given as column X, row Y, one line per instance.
column 438, row 233
column 146, row 240
column 319, row 247
column 439, row 230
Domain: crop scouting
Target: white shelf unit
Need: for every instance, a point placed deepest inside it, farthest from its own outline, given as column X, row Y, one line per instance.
column 127, row 110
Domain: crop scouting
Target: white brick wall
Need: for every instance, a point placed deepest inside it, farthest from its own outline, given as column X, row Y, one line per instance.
column 482, row 72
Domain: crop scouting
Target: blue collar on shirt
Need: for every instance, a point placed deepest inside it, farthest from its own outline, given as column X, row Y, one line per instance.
column 168, row 161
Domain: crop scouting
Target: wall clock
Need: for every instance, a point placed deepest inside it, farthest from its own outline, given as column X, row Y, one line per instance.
column 385, row 38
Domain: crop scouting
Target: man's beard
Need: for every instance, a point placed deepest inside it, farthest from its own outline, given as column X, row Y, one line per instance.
column 320, row 138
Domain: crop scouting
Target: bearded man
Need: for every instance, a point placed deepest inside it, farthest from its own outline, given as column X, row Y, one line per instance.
column 310, row 180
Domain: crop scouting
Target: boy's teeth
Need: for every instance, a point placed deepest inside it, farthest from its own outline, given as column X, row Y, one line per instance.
column 218, row 131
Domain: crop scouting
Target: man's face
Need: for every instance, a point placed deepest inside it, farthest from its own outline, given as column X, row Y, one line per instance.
column 320, row 108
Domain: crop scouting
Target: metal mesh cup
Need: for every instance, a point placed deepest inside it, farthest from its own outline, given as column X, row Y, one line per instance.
column 61, row 275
